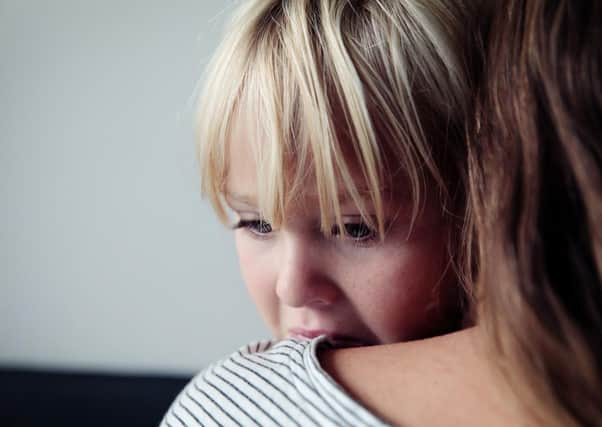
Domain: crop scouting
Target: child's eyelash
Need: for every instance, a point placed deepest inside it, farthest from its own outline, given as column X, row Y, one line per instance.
column 359, row 233
column 257, row 226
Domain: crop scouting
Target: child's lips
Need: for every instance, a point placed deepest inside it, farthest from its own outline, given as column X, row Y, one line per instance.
column 307, row 333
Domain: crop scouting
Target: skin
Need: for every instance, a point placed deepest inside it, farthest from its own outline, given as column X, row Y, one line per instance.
column 347, row 284
column 442, row 381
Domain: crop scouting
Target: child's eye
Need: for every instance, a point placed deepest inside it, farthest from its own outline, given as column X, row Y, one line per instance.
column 358, row 231
column 256, row 226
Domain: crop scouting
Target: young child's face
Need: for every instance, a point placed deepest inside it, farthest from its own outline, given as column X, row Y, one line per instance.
column 350, row 285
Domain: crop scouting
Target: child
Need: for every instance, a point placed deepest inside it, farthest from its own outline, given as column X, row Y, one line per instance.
column 331, row 140
column 331, row 131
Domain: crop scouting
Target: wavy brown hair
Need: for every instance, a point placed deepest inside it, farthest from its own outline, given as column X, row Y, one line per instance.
column 536, row 182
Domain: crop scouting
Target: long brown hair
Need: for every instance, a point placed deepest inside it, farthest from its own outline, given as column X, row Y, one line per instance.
column 536, row 188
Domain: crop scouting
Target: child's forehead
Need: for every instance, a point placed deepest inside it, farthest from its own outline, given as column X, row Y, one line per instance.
column 251, row 154
column 243, row 189
column 242, row 181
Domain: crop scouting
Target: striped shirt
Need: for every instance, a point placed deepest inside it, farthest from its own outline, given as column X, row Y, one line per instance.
column 268, row 384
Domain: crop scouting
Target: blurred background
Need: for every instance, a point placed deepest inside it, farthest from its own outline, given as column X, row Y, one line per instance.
column 112, row 267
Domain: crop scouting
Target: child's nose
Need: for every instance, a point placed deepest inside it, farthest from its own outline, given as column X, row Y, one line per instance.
column 304, row 277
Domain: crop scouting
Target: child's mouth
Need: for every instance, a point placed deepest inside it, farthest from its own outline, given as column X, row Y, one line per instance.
column 301, row 333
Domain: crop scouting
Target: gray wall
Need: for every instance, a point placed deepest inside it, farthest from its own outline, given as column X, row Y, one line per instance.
column 109, row 259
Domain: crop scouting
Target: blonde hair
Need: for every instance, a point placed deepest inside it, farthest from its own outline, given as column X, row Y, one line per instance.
column 338, row 86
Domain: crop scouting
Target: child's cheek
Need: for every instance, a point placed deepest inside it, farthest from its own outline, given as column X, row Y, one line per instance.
column 259, row 275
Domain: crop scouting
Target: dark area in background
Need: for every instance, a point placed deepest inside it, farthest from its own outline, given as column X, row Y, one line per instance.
column 50, row 398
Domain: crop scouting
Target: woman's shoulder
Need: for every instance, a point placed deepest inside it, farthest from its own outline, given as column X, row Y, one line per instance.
column 267, row 383
column 439, row 381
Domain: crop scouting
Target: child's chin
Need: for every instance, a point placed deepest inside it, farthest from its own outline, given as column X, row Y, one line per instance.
column 341, row 341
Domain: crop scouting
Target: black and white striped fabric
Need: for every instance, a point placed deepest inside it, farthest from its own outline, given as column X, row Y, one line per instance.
column 268, row 384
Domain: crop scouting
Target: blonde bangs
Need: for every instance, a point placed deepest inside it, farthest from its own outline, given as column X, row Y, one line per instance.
column 329, row 92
